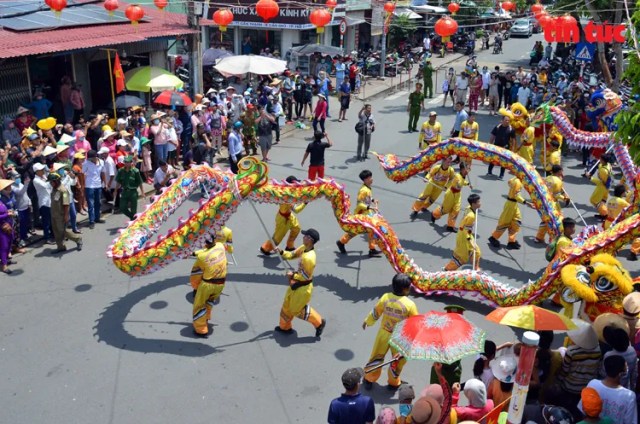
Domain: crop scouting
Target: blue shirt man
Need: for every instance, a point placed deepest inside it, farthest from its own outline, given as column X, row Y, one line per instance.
column 235, row 146
column 461, row 116
column 352, row 407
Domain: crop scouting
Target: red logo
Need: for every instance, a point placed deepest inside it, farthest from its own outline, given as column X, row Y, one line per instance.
column 560, row 31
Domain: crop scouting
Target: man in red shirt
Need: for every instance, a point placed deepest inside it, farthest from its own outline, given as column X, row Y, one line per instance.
column 353, row 72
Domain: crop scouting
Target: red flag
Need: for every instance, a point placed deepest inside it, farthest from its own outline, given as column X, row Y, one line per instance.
column 493, row 417
column 118, row 74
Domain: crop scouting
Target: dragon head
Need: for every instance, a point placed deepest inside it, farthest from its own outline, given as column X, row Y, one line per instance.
column 602, row 284
column 603, row 103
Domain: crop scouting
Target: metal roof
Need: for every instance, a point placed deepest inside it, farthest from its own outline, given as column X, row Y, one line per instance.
column 156, row 24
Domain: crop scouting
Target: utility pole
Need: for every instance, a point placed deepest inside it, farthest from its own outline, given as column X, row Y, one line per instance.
column 195, row 57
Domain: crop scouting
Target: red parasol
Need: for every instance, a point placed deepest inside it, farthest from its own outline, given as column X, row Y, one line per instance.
column 437, row 336
column 172, row 98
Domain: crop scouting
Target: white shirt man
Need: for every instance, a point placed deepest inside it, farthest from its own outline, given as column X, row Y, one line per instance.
column 93, row 173
column 427, row 44
column 110, row 168
column 160, row 176
column 486, row 78
column 524, row 93
column 42, row 186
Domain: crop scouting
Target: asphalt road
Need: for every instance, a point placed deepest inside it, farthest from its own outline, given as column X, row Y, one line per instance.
column 82, row 342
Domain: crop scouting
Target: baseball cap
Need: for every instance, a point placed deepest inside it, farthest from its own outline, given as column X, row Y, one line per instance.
column 39, row 167
column 313, row 234
column 351, row 377
column 102, row 151
column 128, row 159
column 53, row 177
column 121, row 142
column 433, row 113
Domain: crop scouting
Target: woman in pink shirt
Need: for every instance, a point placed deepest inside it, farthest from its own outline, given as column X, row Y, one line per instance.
column 81, row 143
column 479, row 406
column 320, row 114
column 109, row 141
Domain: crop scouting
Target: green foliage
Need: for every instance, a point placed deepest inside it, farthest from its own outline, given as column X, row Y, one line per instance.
column 400, row 28
column 604, row 8
column 629, row 120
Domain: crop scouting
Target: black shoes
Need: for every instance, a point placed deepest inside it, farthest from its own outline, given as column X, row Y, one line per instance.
column 494, row 242
column 290, row 249
column 341, row 247
column 264, row 252
column 632, row 256
column 433, row 218
column 513, row 245
column 373, row 253
column 280, row 330
column 368, row 385
column 452, row 229
column 320, row 328
column 413, row 215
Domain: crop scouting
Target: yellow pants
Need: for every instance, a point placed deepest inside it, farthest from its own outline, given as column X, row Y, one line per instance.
column 206, row 297
column 463, row 252
column 451, row 206
column 283, row 225
column 428, row 197
column 599, row 199
column 379, row 351
column 346, row 237
column 296, row 304
column 526, row 152
column 510, row 219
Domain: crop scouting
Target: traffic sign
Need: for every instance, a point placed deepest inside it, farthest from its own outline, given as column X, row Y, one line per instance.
column 343, row 26
column 585, row 51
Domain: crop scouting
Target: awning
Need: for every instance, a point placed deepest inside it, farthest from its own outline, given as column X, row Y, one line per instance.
column 406, row 12
column 160, row 24
column 429, row 9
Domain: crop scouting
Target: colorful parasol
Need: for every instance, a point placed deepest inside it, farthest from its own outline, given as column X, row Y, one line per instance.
column 437, row 336
column 149, row 78
column 531, row 317
column 172, row 98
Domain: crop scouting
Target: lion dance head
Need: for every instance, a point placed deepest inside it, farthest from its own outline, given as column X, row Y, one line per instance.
column 601, row 284
column 518, row 115
column 603, row 104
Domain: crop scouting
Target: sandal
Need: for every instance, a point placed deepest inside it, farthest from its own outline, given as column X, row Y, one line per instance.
column 6, row 270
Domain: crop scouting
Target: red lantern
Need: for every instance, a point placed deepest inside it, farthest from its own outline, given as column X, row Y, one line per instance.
column 134, row 13
column 507, row 5
column 331, row 4
column 566, row 21
column 48, row 3
column 111, row 6
column 161, row 4
column 536, row 8
column 222, row 18
column 544, row 20
column 320, row 18
column 453, row 8
column 389, row 7
column 267, row 9
column 57, row 6
column 445, row 27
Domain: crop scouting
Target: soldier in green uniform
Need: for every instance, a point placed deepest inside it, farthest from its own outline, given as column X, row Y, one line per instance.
column 416, row 104
column 129, row 180
column 427, row 76
column 60, row 202
column 248, row 118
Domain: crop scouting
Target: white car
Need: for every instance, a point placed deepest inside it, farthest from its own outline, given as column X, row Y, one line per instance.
column 521, row 28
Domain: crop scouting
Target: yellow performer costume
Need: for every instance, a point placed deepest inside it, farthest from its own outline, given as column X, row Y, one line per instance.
column 553, row 134
column 471, row 131
column 286, row 221
column 615, row 205
column 510, row 218
column 213, row 263
column 224, row 236
column 298, row 294
column 600, row 194
column 392, row 308
column 527, row 144
column 553, row 156
column 366, row 206
column 438, row 179
column 451, row 203
column 465, row 243
column 429, row 134
column 555, row 186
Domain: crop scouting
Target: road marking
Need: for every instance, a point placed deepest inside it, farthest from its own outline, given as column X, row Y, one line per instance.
column 396, row 96
column 436, row 100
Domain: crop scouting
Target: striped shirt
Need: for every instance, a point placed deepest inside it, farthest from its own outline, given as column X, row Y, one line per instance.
column 579, row 366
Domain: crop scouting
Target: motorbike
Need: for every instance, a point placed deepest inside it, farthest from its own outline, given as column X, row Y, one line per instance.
column 471, row 46
column 485, row 41
column 497, row 44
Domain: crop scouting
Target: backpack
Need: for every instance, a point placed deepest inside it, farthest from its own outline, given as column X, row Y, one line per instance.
column 550, row 251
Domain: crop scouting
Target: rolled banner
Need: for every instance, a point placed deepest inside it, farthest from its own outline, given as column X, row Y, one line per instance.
column 530, row 342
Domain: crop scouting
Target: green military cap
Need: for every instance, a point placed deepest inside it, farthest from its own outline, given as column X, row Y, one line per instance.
column 128, row 159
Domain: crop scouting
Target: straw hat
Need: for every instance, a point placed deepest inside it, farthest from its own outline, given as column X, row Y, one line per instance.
column 108, row 133
column 5, row 183
column 22, row 110
column 609, row 319
column 66, row 138
column 58, row 165
column 584, row 336
column 61, row 148
column 49, row 151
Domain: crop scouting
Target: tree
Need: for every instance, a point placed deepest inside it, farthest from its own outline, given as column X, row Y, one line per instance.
column 628, row 120
column 400, row 28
